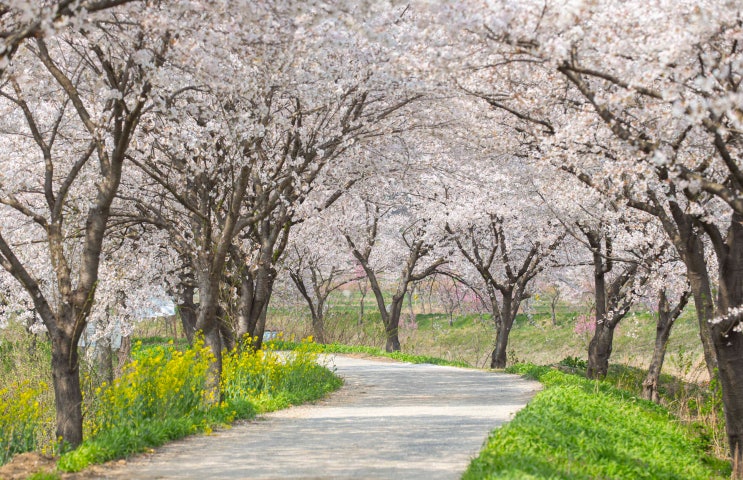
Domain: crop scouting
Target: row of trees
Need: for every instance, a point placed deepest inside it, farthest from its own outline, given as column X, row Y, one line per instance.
column 196, row 150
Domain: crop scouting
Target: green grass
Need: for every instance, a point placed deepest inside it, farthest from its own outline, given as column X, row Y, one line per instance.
column 582, row 429
column 377, row 352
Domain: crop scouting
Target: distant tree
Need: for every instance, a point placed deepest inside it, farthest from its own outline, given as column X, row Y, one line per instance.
column 408, row 235
column 318, row 265
column 505, row 270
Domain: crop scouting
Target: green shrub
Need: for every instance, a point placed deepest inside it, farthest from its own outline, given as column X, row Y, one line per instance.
column 574, row 363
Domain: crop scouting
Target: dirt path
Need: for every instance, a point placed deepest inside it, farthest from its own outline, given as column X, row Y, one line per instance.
column 390, row 420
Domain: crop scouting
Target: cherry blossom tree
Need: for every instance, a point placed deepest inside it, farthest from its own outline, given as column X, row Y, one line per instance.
column 505, row 270
column 22, row 20
column 318, row 264
column 655, row 124
column 392, row 239
column 76, row 104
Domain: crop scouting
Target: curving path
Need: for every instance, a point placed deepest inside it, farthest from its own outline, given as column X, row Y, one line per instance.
column 390, row 420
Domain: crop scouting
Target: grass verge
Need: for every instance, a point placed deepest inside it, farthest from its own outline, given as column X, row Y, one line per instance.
column 377, row 352
column 583, row 429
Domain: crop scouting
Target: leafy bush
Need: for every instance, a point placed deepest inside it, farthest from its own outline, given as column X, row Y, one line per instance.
column 574, row 363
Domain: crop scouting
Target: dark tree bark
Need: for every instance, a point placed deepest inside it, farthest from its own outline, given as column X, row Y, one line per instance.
column 613, row 300
column 726, row 332
column 505, row 316
column 667, row 316
column 486, row 249
column 68, row 396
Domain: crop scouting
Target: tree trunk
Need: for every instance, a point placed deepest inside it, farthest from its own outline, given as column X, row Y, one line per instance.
column 666, row 318
column 104, row 361
column 662, row 333
column 259, row 309
column 507, row 315
column 599, row 350
column 207, row 325
column 650, row 384
column 260, row 327
column 213, row 340
column 392, row 326
column 244, row 305
column 704, row 305
column 392, row 344
column 68, row 396
column 318, row 327
column 361, row 309
column 690, row 247
column 501, row 344
column 728, row 342
column 122, row 356
column 255, row 293
column 730, row 365
column 225, row 329
column 187, row 309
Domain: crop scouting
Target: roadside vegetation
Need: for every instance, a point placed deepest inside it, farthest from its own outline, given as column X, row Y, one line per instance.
column 371, row 351
column 583, row 429
column 467, row 336
column 161, row 395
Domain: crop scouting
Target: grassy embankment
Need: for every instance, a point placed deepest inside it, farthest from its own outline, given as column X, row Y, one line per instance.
column 161, row 395
column 582, row 429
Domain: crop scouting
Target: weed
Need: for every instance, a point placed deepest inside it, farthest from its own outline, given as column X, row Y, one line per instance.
column 575, row 363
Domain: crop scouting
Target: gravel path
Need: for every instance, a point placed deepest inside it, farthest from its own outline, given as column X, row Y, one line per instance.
column 390, row 420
